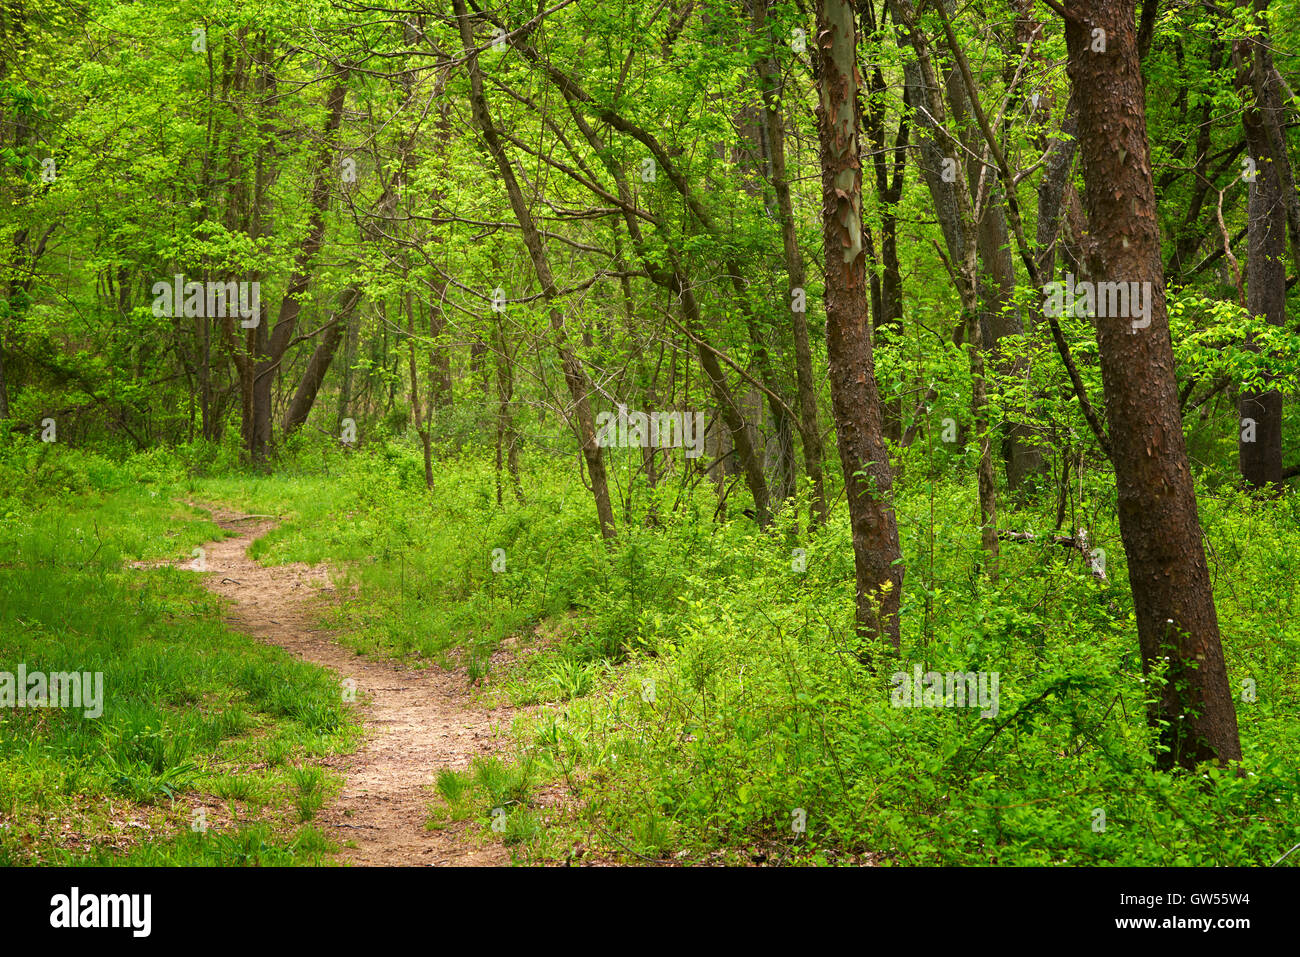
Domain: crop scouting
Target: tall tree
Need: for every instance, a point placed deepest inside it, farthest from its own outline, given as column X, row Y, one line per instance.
column 772, row 89
column 956, row 206
column 1159, row 525
column 1260, row 437
column 575, row 375
column 855, row 400
column 271, row 345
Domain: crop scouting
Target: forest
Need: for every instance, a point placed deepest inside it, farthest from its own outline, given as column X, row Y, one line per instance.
column 649, row 433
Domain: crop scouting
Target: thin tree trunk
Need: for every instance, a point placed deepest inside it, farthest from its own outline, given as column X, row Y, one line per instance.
column 728, row 407
column 809, row 430
column 955, row 206
column 304, row 397
column 417, row 412
column 855, row 401
column 887, row 289
column 507, row 439
column 271, row 345
column 1052, row 190
column 4, row 385
column 673, row 278
column 1260, row 437
column 574, row 374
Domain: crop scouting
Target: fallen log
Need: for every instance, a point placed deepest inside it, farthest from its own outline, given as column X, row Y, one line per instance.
column 1095, row 559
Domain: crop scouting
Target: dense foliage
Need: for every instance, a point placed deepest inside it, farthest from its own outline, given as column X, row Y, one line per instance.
column 450, row 250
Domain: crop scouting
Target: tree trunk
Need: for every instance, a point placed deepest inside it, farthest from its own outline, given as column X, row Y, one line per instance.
column 1259, row 440
column 774, row 123
column 1260, row 436
column 854, row 398
column 417, row 412
column 349, row 360
column 1052, row 190
column 574, row 374
column 1161, row 531
column 728, row 407
column 440, row 389
column 954, row 205
column 507, row 439
column 674, row 278
column 4, row 386
column 304, row 397
column 270, row 346
column 887, row 289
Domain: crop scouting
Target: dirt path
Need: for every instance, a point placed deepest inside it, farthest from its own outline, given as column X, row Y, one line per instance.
column 417, row 721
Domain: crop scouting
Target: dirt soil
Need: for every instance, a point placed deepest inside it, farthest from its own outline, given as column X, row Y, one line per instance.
column 417, row 721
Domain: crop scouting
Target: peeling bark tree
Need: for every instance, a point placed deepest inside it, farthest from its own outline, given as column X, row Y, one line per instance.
column 1161, row 532
column 855, row 400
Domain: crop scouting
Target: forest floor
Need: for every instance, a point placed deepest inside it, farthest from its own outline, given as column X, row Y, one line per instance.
column 418, row 721
column 684, row 699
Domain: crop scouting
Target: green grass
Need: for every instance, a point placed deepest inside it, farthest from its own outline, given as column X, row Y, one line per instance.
column 194, row 715
column 759, row 711
column 697, row 695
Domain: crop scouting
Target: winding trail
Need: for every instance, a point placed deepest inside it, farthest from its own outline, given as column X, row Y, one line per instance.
column 417, row 721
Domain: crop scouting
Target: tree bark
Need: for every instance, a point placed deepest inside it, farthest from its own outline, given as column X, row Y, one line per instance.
column 887, row 289
column 1161, row 532
column 417, row 410
column 304, row 397
column 507, row 439
column 1259, row 440
column 728, row 407
column 955, row 206
column 855, row 400
column 270, row 345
